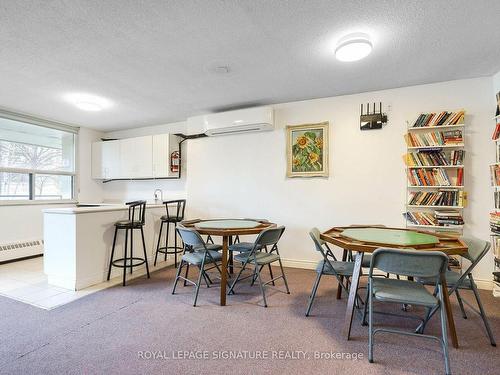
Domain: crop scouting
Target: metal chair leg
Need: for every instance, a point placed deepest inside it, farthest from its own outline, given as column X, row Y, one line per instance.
column 205, row 278
column 261, row 286
column 175, row 244
column 199, row 282
column 313, row 293
column 159, row 241
column 186, row 275
column 177, row 276
column 270, row 268
column 271, row 273
column 254, row 276
column 112, row 253
column 483, row 314
column 145, row 252
column 430, row 312
column 231, row 263
column 365, row 310
column 125, row 257
column 231, row 289
column 370, row 323
column 461, row 304
column 166, row 241
column 208, row 278
column 284, row 277
column 444, row 332
column 131, row 249
column 230, row 260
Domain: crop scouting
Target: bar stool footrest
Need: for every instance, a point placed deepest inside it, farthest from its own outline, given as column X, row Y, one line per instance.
column 164, row 250
column 129, row 262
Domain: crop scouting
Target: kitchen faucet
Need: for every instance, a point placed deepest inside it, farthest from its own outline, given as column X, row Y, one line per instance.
column 156, row 195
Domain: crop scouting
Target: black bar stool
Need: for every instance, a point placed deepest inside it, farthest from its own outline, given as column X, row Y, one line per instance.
column 134, row 222
column 179, row 206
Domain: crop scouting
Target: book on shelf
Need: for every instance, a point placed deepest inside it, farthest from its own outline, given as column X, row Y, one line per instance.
column 460, row 177
column 495, row 222
column 439, row 119
column 442, row 197
column 435, row 139
column 496, row 247
column 497, row 113
column 420, row 218
column 424, row 158
column 433, row 177
column 437, row 219
column 497, row 199
column 448, row 217
column 495, row 175
column 496, row 132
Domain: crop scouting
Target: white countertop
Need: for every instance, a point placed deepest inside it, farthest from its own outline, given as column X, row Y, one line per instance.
column 103, row 207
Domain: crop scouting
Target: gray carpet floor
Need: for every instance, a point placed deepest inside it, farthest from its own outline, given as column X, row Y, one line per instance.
column 118, row 330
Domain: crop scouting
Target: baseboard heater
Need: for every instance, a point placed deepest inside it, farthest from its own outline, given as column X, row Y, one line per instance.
column 20, row 249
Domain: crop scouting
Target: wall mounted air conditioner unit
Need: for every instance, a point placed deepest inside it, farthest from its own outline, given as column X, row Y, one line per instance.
column 234, row 122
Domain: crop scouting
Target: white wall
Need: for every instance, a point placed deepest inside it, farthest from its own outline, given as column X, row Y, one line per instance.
column 496, row 83
column 244, row 175
column 25, row 222
column 367, row 180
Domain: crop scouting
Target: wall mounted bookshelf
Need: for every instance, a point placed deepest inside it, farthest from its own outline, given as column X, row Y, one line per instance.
column 435, row 187
column 415, row 129
column 495, row 213
column 435, row 194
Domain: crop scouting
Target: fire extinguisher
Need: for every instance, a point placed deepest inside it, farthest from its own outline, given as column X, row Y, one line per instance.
column 174, row 162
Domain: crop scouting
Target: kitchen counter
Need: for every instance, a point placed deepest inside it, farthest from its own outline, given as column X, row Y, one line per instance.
column 78, row 242
column 84, row 208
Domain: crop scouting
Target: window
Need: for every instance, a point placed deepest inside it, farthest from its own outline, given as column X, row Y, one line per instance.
column 37, row 162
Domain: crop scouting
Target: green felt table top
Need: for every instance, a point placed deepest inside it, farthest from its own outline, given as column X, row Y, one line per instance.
column 227, row 224
column 390, row 236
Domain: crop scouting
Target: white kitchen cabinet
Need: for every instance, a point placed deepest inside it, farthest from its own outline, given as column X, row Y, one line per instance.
column 139, row 157
column 136, row 157
column 161, row 155
column 106, row 160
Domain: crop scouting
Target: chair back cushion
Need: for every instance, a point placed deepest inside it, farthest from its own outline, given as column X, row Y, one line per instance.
column 408, row 262
column 476, row 248
column 190, row 237
column 269, row 236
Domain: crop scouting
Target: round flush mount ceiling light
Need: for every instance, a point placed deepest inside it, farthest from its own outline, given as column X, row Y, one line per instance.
column 353, row 47
column 88, row 102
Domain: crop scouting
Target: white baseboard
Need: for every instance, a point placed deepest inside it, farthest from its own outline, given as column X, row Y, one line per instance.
column 484, row 284
column 311, row 265
column 304, row 264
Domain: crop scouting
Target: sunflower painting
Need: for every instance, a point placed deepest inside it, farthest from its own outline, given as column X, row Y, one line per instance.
column 307, row 150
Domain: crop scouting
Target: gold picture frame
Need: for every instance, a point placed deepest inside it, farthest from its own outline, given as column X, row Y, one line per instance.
column 307, row 150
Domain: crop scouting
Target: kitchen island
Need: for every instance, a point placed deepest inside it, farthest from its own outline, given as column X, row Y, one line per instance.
column 78, row 241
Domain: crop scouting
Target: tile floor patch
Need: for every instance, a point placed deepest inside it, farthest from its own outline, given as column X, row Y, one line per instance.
column 26, row 282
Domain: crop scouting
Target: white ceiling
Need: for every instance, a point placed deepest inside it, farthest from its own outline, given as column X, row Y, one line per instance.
column 154, row 59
